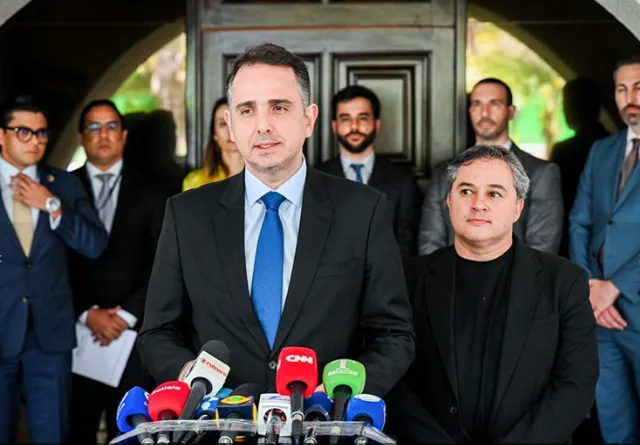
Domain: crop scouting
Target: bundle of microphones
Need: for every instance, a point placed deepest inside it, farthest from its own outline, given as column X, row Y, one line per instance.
column 280, row 415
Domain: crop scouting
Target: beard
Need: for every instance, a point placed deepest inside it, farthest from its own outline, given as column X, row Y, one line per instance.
column 491, row 133
column 631, row 114
column 362, row 146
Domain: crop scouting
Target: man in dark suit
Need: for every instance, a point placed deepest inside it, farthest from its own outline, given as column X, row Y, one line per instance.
column 43, row 213
column 581, row 104
column 110, row 291
column 540, row 226
column 605, row 241
column 505, row 337
column 356, row 122
column 279, row 255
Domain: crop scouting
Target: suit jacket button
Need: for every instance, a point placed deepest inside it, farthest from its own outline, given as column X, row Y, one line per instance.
column 453, row 410
column 28, row 264
column 24, row 300
column 273, row 365
column 610, row 222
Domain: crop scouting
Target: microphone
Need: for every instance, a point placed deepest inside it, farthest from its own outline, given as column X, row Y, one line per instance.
column 274, row 417
column 132, row 412
column 239, row 405
column 206, row 411
column 166, row 403
column 317, row 408
column 368, row 409
column 206, row 378
column 297, row 377
column 342, row 379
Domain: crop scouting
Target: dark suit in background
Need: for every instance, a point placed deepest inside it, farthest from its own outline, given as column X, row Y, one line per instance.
column 403, row 198
column 117, row 278
column 571, row 156
column 346, row 298
column 539, row 226
column 548, row 364
column 37, row 323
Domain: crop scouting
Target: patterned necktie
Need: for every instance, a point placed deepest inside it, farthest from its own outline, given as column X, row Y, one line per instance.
column 266, row 286
column 103, row 202
column 628, row 165
column 358, row 169
column 23, row 225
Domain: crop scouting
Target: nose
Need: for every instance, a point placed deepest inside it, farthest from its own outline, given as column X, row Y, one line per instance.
column 484, row 109
column 103, row 131
column 263, row 122
column 479, row 203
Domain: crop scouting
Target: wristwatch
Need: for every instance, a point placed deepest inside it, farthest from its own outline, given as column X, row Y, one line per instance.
column 52, row 204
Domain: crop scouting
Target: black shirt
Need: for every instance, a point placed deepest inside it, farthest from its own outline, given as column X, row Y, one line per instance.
column 481, row 290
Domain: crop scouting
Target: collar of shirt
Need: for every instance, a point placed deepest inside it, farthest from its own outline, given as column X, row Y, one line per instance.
column 94, row 171
column 7, row 171
column 367, row 163
column 630, row 137
column 508, row 144
column 292, row 189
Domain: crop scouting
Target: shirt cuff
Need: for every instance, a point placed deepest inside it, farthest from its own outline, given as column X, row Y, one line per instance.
column 128, row 317
column 54, row 223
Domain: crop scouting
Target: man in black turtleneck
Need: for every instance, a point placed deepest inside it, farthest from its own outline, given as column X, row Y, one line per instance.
column 505, row 335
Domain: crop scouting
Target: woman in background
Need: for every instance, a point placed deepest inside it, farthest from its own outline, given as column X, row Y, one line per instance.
column 222, row 158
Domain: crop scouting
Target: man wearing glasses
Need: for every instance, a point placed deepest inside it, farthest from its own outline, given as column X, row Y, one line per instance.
column 43, row 213
column 110, row 291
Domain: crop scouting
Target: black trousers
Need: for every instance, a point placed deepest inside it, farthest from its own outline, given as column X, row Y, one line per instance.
column 90, row 398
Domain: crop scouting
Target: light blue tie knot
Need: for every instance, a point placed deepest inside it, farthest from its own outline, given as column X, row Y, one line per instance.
column 358, row 169
column 266, row 287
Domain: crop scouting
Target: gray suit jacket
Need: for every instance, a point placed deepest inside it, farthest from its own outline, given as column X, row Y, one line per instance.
column 539, row 226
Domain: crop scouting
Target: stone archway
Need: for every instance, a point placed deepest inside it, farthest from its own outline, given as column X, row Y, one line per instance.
column 109, row 83
column 626, row 12
column 10, row 7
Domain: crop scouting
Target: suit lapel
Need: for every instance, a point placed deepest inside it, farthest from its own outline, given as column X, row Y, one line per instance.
column 335, row 167
column 125, row 199
column 633, row 180
column 83, row 175
column 613, row 165
column 524, row 293
column 315, row 222
column 229, row 228
column 377, row 174
column 10, row 231
column 48, row 180
column 440, row 292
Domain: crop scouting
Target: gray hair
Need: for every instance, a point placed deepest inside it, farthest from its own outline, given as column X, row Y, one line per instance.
column 274, row 55
column 520, row 178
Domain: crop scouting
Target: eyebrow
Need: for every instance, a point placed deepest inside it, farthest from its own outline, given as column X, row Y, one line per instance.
column 252, row 103
column 493, row 186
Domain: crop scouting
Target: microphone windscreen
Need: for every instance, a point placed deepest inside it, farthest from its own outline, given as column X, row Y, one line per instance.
column 246, row 390
column 344, row 372
column 218, row 349
column 170, row 396
column 366, row 406
column 207, row 407
column 134, row 402
column 224, row 392
column 297, row 364
column 319, row 399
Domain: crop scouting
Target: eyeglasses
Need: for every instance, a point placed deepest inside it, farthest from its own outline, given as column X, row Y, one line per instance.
column 96, row 127
column 24, row 134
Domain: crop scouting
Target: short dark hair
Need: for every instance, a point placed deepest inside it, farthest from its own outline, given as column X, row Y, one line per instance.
column 495, row 81
column 270, row 54
column 520, row 178
column 631, row 59
column 353, row 92
column 98, row 103
column 25, row 102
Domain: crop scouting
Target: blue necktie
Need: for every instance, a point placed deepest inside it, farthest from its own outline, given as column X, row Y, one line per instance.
column 266, row 287
column 358, row 169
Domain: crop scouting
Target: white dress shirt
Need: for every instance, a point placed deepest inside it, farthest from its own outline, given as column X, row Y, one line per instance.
column 96, row 185
column 289, row 211
column 365, row 171
column 7, row 172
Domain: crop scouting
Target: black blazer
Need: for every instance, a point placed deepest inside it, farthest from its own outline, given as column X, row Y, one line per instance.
column 403, row 198
column 346, row 299
column 549, row 361
column 121, row 274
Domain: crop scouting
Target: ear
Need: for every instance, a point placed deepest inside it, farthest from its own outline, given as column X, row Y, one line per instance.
column 310, row 114
column 519, row 207
column 227, row 119
column 125, row 133
column 378, row 125
column 512, row 111
column 334, row 126
column 2, row 136
column 449, row 201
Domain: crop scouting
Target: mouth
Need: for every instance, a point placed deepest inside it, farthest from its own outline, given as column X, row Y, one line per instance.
column 478, row 221
column 266, row 145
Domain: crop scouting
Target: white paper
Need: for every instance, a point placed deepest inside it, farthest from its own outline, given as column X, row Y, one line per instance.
column 102, row 363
